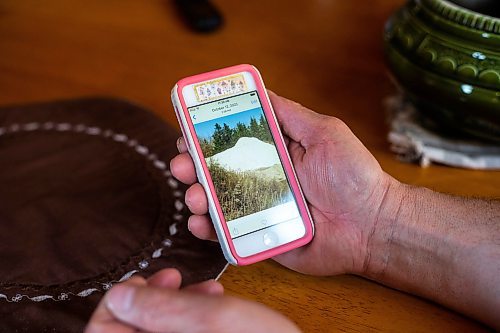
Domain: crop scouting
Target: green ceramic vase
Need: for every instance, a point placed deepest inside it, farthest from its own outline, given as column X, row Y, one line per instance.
column 447, row 59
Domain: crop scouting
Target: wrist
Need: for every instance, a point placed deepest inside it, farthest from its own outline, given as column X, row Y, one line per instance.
column 437, row 246
column 396, row 205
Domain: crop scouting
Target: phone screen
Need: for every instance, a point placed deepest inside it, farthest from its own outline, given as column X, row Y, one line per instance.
column 246, row 170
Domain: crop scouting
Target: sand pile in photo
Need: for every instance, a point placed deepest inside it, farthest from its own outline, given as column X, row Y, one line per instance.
column 247, row 155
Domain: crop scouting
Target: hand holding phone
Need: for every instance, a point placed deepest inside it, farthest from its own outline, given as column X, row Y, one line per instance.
column 254, row 197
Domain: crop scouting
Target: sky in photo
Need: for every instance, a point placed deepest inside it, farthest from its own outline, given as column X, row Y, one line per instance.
column 206, row 129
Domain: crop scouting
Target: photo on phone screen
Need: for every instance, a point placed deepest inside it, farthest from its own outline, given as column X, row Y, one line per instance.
column 246, row 170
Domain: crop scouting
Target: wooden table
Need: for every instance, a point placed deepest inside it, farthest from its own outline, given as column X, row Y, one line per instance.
column 326, row 54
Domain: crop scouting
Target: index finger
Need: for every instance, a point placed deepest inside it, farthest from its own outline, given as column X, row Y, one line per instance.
column 182, row 168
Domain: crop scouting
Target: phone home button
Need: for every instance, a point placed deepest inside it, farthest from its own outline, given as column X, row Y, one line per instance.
column 270, row 239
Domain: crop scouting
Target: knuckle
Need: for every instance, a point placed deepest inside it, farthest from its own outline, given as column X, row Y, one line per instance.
column 290, row 103
column 336, row 123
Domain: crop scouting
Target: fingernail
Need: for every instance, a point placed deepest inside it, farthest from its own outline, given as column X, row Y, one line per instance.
column 178, row 143
column 120, row 298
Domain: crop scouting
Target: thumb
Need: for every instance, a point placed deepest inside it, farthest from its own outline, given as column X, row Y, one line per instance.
column 156, row 309
column 104, row 321
column 297, row 122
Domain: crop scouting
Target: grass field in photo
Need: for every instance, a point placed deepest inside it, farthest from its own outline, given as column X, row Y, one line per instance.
column 244, row 193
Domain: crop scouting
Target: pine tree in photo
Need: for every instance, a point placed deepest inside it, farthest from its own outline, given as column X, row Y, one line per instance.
column 264, row 132
column 217, row 139
column 240, row 131
column 207, row 147
column 227, row 134
column 254, row 127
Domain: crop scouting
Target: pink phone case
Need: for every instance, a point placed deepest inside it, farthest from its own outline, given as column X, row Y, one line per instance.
column 266, row 105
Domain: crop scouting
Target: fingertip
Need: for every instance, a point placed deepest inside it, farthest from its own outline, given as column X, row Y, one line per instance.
column 119, row 299
column 196, row 199
column 182, row 168
column 181, row 145
column 201, row 227
column 271, row 93
column 216, row 288
column 275, row 98
column 167, row 278
column 174, row 166
column 209, row 287
column 104, row 318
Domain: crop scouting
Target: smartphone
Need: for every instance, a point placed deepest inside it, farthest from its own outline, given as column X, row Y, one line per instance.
column 254, row 198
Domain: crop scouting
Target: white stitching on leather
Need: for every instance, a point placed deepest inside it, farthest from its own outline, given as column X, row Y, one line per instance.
column 138, row 148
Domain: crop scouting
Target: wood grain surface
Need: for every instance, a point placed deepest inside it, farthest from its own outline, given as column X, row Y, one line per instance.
column 325, row 54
